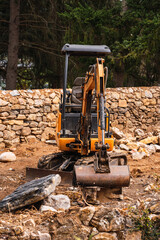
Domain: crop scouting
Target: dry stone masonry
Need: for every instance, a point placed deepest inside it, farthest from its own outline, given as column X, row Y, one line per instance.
column 30, row 115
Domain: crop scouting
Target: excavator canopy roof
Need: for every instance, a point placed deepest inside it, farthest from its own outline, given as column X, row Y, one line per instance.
column 85, row 50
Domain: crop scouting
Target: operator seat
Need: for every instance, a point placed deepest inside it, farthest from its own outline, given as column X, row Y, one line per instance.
column 76, row 97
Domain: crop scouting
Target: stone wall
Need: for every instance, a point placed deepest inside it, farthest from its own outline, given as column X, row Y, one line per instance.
column 27, row 115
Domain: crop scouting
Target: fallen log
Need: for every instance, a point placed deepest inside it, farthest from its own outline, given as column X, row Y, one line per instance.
column 30, row 192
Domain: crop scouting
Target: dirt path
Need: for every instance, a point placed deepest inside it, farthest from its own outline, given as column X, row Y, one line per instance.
column 12, row 174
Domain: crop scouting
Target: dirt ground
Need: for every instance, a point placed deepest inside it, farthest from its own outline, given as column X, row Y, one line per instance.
column 12, row 174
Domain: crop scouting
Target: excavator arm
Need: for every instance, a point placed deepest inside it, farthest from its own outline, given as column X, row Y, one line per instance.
column 95, row 81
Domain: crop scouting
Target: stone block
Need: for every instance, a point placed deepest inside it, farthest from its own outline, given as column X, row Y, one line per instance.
column 122, row 103
column 26, row 131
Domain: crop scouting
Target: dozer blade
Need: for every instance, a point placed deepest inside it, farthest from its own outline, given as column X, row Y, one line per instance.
column 118, row 177
column 66, row 177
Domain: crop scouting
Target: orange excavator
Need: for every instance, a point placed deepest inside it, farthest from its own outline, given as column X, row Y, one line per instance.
column 83, row 130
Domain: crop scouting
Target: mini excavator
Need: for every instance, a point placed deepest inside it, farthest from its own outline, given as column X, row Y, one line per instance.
column 83, row 130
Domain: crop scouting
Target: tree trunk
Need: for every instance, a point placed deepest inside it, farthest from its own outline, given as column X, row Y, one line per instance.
column 11, row 77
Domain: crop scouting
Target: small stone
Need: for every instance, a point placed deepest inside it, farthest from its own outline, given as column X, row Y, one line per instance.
column 122, row 103
column 5, row 230
column 138, row 155
column 44, row 236
column 56, row 100
column 14, row 93
column 31, row 139
column 115, row 95
column 139, row 132
column 52, row 95
column 59, row 201
column 133, row 235
column 117, row 133
column 124, row 147
column 26, row 131
column 29, row 222
column 86, row 214
column 155, row 208
column 38, row 102
column 132, row 145
column 148, row 94
column 18, row 230
column 150, row 140
column 7, row 157
column 157, row 147
column 3, row 103
column 105, row 236
column 51, row 117
column 2, row 127
column 45, row 208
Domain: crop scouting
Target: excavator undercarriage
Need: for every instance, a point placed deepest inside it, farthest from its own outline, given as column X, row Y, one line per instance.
column 83, row 132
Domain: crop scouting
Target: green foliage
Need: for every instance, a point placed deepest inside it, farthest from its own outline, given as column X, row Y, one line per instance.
column 131, row 31
column 142, row 222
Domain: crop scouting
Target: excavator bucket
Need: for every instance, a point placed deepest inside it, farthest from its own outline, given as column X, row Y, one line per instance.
column 118, row 176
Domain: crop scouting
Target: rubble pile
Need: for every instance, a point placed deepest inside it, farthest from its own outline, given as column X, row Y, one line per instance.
column 91, row 222
column 140, row 146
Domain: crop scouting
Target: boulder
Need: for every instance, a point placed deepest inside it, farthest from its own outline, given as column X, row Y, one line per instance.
column 124, row 147
column 30, row 192
column 7, row 157
column 86, row 214
column 150, row 140
column 117, row 133
column 59, row 201
column 138, row 155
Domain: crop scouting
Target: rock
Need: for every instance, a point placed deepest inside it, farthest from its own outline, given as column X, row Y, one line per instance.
column 148, row 94
column 15, row 122
column 115, row 95
column 44, row 236
column 157, row 148
column 133, row 235
column 155, row 208
column 138, row 155
column 26, row 131
column 150, row 148
column 30, row 222
column 117, row 224
column 122, row 103
column 58, row 201
column 7, row 157
column 3, row 103
column 34, row 236
column 52, row 95
column 2, row 127
column 124, row 147
column 14, row 93
column 132, row 145
column 31, row 139
column 5, row 230
column 18, row 230
column 117, row 133
column 150, row 140
column 105, row 236
column 102, row 224
column 30, row 192
column 86, row 214
column 139, row 132
column 56, row 100
column 45, row 208
column 51, row 117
